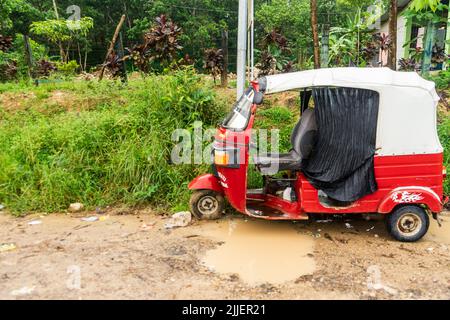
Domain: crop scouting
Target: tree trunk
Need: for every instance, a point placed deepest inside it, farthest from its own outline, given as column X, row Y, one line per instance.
column 28, row 55
column 61, row 49
column 392, row 55
column 111, row 46
column 315, row 33
column 224, row 75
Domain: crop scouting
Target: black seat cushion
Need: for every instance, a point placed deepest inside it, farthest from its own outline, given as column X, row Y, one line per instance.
column 275, row 162
column 303, row 139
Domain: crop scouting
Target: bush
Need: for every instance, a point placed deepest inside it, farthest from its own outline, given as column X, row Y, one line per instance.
column 67, row 69
column 16, row 55
column 442, row 79
column 444, row 137
column 115, row 153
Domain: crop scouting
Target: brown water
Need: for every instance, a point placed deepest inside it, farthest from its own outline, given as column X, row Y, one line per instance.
column 259, row 251
column 439, row 234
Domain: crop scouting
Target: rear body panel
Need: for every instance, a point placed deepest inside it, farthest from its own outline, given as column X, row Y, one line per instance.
column 402, row 179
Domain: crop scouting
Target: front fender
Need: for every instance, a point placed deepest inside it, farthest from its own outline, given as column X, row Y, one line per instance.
column 206, row 181
column 411, row 195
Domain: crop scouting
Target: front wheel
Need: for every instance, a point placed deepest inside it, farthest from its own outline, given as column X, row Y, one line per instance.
column 408, row 223
column 206, row 204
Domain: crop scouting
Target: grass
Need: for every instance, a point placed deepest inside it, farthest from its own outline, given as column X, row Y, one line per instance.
column 116, row 150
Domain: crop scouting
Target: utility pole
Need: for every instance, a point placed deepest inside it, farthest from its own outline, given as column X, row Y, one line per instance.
column 251, row 39
column 241, row 47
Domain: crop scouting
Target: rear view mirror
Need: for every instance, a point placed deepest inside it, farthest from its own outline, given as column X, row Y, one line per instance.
column 258, row 98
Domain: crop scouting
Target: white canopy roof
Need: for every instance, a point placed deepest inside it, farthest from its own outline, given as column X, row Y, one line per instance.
column 407, row 111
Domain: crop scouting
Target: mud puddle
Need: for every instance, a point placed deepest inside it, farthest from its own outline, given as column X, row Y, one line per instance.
column 439, row 234
column 259, row 251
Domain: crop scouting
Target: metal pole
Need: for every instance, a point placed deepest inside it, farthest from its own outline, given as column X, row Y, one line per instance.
column 251, row 17
column 241, row 48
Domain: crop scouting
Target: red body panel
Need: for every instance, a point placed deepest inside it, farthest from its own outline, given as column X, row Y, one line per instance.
column 205, row 181
column 420, row 175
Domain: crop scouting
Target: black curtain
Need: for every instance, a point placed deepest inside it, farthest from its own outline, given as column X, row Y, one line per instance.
column 342, row 162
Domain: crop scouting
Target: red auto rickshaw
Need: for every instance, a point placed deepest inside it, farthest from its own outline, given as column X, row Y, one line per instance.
column 366, row 142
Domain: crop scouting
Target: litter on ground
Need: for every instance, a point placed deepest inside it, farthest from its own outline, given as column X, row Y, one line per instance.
column 179, row 219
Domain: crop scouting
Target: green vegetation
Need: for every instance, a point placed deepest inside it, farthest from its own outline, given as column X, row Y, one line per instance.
column 115, row 150
column 444, row 137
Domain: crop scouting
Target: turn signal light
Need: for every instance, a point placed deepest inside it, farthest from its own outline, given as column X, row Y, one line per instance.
column 221, row 158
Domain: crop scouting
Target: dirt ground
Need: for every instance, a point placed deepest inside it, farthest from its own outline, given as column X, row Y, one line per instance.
column 133, row 256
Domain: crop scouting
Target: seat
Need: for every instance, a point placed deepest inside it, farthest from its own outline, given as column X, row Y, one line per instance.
column 303, row 138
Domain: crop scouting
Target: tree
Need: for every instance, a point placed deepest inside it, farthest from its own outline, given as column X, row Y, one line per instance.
column 392, row 53
column 427, row 13
column 315, row 34
column 64, row 32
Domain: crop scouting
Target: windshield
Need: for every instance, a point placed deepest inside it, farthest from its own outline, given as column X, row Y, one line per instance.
column 238, row 117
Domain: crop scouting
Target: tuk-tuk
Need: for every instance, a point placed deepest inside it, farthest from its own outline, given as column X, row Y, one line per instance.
column 366, row 142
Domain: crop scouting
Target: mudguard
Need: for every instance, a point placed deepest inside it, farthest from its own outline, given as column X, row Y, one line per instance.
column 206, row 181
column 411, row 195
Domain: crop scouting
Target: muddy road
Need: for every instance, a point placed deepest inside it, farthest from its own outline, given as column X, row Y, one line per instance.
column 132, row 256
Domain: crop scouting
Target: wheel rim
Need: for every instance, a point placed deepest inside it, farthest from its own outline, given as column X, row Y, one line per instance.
column 409, row 224
column 208, row 205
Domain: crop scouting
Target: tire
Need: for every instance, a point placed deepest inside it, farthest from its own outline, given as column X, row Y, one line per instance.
column 206, row 204
column 408, row 223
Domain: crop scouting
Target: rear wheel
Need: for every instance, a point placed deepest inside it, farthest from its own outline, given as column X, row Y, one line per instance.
column 408, row 223
column 206, row 204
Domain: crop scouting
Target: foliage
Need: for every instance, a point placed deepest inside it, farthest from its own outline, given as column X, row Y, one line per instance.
column 17, row 15
column 274, row 38
column 213, row 62
column 43, row 68
column 161, row 45
column 114, row 64
column 62, row 30
column 275, row 54
column 442, row 79
column 444, row 138
column 162, row 39
column 67, row 69
column 438, row 54
column 418, row 5
column 346, row 41
column 8, row 71
column 109, row 152
column 421, row 12
column 408, row 64
column 15, row 57
column 5, row 43
column 289, row 18
column 372, row 49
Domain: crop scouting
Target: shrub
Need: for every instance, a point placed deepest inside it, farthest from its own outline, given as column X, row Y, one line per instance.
column 67, row 69
column 444, row 137
column 111, row 154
